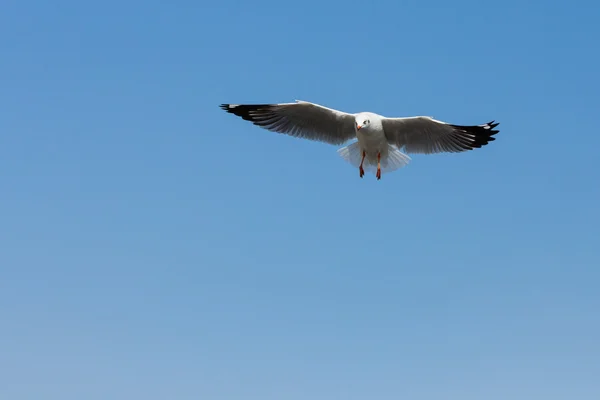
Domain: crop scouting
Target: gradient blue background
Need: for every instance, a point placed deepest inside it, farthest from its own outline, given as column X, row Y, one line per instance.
column 154, row 247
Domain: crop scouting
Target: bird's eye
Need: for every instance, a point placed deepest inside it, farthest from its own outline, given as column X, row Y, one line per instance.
column 365, row 122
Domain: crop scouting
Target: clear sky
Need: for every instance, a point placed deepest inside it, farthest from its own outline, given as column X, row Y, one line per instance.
column 154, row 247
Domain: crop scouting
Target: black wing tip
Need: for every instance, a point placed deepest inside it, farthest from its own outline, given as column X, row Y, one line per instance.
column 483, row 134
column 241, row 110
column 491, row 125
column 232, row 108
column 244, row 110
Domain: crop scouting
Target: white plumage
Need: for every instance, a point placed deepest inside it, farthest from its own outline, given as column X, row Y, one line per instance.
column 379, row 139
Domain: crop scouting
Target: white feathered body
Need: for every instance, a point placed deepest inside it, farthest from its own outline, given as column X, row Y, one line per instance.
column 372, row 140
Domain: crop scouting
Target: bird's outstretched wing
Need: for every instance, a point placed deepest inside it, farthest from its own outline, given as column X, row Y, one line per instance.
column 426, row 135
column 300, row 119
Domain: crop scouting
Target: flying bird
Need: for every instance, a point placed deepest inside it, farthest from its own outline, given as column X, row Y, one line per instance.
column 379, row 139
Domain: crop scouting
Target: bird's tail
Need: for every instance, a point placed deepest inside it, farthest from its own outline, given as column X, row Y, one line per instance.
column 395, row 159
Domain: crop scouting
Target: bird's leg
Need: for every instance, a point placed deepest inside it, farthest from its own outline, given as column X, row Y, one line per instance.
column 361, row 170
column 378, row 166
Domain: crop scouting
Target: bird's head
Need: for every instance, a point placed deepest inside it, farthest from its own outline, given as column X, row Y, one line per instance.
column 362, row 121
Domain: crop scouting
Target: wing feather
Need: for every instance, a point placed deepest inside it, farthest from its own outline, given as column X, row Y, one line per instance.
column 426, row 135
column 300, row 119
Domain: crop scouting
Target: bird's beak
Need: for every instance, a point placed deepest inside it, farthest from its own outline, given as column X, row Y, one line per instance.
column 358, row 127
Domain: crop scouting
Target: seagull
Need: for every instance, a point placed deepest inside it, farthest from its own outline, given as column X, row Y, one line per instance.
column 379, row 139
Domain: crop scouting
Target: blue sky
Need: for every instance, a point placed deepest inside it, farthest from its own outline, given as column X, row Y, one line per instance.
column 153, row 246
